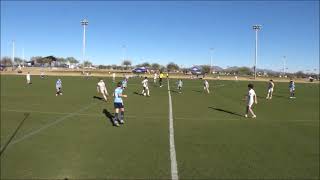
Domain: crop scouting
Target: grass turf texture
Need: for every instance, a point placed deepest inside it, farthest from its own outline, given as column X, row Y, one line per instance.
column 212, row 138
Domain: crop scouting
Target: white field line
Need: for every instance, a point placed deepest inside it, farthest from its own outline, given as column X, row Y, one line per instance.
column 49, row 125
column 173, row 158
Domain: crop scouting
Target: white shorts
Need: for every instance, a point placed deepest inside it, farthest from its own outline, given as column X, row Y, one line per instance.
column 270, row 90
column 146, row 88
column 103, row 91
column 250, row 103
column 291, row 89
column 58, row 88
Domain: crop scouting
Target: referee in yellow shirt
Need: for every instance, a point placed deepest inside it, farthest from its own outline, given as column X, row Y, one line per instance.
column 160, row 78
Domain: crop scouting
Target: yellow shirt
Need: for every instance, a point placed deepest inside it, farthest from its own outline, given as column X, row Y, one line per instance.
column 161, row 75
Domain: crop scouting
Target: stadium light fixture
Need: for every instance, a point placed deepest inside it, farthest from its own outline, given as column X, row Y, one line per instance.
column 84, row 23
column 256, row 28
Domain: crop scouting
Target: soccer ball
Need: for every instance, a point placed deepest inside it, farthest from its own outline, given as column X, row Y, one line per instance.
column 144, row 94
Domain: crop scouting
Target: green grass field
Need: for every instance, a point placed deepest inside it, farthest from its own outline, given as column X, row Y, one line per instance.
column 71, row 136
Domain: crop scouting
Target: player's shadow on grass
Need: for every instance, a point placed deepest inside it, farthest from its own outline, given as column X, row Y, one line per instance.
column 174, row 91
column 274, row 95
column 108, row 115
column 99, row 98
column 225, row 111
column 26, row 115
column 197, row 91
column 137, row 93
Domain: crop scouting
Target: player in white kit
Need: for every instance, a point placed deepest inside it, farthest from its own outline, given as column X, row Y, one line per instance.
column 251, row 98
column 145, row 90
column 270, row 89
column 59, row 87
column 206, row 86
column 114, row 77
column 155, row 76
column 101, row 87
column 28, row 78
column 180, row 84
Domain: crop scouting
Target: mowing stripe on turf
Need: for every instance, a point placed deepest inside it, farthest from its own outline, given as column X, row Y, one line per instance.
column 156, row 117
column 49, row 125
column 173, row 158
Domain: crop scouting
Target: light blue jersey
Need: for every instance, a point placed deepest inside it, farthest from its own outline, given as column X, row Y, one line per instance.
column 292, row 85
column 117, row 92
column 58, row 84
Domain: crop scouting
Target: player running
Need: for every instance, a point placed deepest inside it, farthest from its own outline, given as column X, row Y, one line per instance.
column 155, row 76
column 180, row 84
column 113, row 77
column 270, row 89
column 101, row 87
column 124, row 83
column 118, row 105
column 206, row 86
column 42, row 75
column 160, row 78
column 292, row 88
column 145, row 90
column 251, row 98
column 59, row 87
column 28, row 78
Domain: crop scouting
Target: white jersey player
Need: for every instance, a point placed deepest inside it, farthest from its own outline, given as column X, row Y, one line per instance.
column 59, row 87
column 28, row 78
column 270, row 89
column 114, row 77
column 145, row 86
column 251, row 98
column 206, row 86
column 101, row 87
column 155, row 76
column 180, row 84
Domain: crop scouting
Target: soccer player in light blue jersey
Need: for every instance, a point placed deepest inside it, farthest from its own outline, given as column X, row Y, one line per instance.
column 118, row 105
column 59, row 87
column 292, row 88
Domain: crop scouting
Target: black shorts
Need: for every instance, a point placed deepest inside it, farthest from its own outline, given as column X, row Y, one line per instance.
column 160, row 80
column 118, row 105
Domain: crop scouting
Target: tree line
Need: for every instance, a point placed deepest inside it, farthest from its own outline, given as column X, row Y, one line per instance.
column 127, row 65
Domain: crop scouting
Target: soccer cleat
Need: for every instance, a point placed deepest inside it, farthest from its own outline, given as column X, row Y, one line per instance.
column 116, row 124
column 254, row 116
column 121, row 121
column 246, row 115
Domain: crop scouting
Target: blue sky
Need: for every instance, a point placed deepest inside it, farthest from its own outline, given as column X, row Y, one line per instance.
column 155, row 31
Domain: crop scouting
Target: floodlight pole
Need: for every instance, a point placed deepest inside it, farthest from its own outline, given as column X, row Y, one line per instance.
column 124, row 48
column 256, row 28
column 23, row 54
column 12, row 54
column 284, row 66
column 211, row 51
column 84, row 23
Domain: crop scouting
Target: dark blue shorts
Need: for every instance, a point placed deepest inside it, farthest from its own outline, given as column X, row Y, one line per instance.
column 118, row 105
